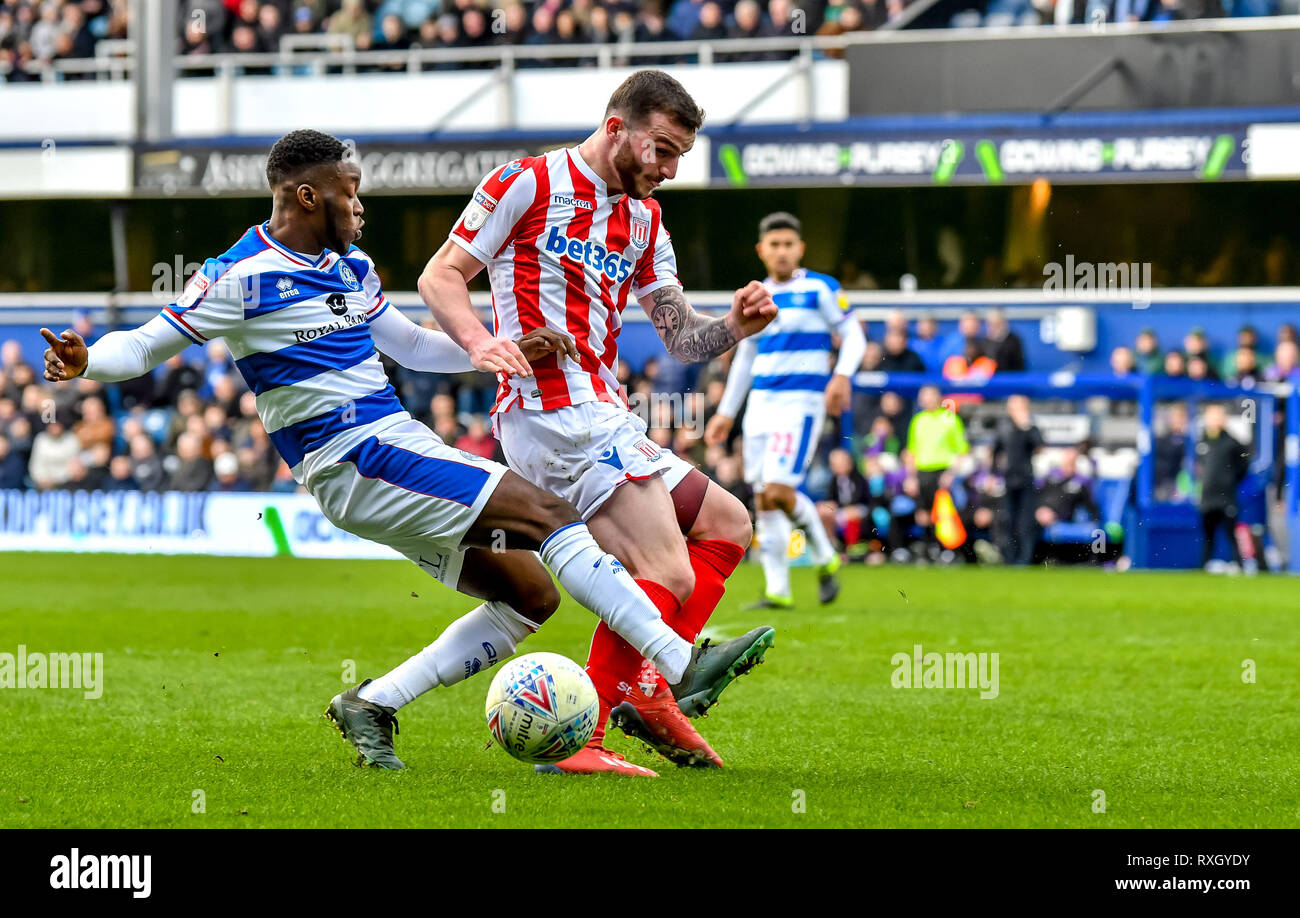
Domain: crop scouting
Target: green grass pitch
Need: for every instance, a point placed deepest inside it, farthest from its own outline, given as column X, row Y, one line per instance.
column 216, row 672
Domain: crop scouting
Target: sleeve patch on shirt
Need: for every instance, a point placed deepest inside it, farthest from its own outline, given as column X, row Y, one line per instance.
column 480, row 208
column 194, row 290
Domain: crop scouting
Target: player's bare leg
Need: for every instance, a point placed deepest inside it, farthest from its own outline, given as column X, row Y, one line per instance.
column 717, row 540
column 718, row 533
column 499, row 566
column 625, row 682
column 532, row 519
column 646, row 524
column 519, row 596
column 717, row 537
column 661, row 553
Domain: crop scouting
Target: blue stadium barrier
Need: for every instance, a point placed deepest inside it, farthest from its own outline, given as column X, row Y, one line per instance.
column 1118, row 323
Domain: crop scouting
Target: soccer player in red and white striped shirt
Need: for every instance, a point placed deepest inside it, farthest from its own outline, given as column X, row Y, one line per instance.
column 567, row 239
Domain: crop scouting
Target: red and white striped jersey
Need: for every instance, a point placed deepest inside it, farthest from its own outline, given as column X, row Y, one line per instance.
column 563, row 253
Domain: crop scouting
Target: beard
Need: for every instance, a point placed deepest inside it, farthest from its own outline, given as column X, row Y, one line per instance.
column 627, row 169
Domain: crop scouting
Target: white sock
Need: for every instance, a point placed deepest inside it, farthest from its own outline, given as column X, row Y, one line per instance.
column 475, row 641
column 600, row 582
column 805, row 517
column 774, row 549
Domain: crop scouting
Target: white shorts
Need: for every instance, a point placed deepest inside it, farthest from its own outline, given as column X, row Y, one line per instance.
column 405, row 488
column 583, row 452
column 782, row 456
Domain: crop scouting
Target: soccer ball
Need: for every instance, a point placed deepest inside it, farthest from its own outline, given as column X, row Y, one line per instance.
column 542, row 707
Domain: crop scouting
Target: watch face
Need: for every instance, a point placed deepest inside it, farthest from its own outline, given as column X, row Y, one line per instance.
column 667, row 321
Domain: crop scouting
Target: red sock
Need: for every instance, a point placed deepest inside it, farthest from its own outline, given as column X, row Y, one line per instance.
column 713, row 561
column 616, row 667
column 852, row 532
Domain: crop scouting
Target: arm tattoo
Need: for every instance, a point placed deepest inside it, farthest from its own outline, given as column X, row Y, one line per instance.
column 688, row 336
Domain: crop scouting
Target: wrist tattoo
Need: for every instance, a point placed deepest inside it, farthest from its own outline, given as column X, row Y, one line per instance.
column 688, row 336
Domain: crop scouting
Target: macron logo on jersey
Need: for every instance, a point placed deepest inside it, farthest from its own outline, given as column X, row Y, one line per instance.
column 565, row 200
column 510, row 169
column 591, row 254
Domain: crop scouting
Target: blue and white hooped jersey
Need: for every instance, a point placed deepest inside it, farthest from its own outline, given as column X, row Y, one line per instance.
column 298, row 329
column 794, row 354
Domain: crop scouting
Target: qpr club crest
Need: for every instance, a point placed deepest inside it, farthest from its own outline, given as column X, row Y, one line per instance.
column 640, row 232
column 349, row 276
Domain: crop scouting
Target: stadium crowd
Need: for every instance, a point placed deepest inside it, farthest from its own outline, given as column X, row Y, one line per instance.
column 32, row 33
column 192, row 426
column 1007, row 488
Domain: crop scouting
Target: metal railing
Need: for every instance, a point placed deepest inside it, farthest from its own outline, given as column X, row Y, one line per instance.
column 302, row 55
column 289, row 61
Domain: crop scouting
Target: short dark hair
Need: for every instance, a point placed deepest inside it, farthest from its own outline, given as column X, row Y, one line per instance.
column 649, row 91
column 779, row 221
column 298, row 151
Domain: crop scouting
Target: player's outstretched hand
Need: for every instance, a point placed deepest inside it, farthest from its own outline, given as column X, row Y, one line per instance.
column 542, row 341
column 717, row 430
column 500, row 355
column 751, row 309
column 66, row 356
column 839, row 393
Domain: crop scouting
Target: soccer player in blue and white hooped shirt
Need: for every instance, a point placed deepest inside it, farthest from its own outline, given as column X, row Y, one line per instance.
column 786, row 369
column 303, row 314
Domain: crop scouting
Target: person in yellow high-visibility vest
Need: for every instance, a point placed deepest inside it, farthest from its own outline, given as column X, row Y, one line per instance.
column 935, row 438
